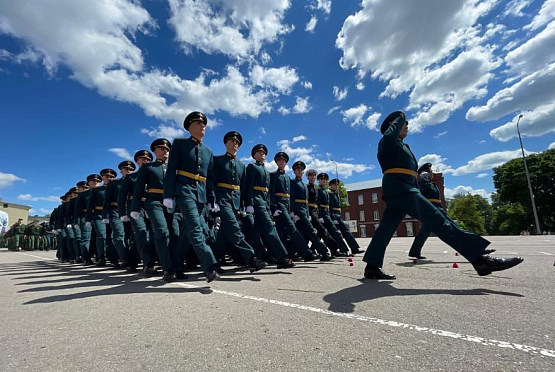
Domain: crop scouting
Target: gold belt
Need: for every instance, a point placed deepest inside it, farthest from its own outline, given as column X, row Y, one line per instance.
column 283, row 195
column 115, row 204
column 435, row 200
column 261, row 188
column 300, row 201
column 337, row 209
column 313, row 205
column 196, row 177
column 410, row 172
column 83, row 210
column 130, row 197
column 98, row 208
column 155, row 191
column 325, row 206
column 228, row 186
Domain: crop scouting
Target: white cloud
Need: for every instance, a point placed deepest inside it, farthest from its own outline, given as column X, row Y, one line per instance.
column 487, row 162
column 282, row 79
column 335, row 108
column 29, row 197
column 307, row 84
column 164, row 131
column 373, row 120
column 533, row 124
column 302, row 106
column 481, row 142
column 311, row 25
column 340, row 94
column 299, row 138
column 8, row 179
column 482, row 175
column 514, row 8
column 551, row 146
column 44, row 211
column 440, row 134
column 438, row 163
column 360, row 85
column 235, row 28
column 324, row 5
column 354, row 115
column 450, row 193
column 121, row 152
column 546, row 14
column 262, row 130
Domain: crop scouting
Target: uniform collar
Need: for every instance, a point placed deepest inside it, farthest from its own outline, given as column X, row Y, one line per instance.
column 281, row 171
column 230, row 156
column 260, row 163
column 160, row 161
column 198, row 142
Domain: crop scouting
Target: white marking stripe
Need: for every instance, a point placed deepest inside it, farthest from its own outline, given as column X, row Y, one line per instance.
column 437, row 332
column 31, row 255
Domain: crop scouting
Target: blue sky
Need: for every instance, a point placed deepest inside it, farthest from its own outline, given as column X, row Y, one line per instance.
column 84, row 84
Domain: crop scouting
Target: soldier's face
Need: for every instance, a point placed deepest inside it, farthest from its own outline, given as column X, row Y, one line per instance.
column 323, row 182
column 281, row 164
column 260, row 156
column 125, row 171
column 197, row 129
column 141, row 161
column 232, row 146
column 431, row 175
column 311, row 177
column 333, row 187
column 162, row 153
column 299, row 172
column 105, row 178
column 94, row 183
column 405, row 130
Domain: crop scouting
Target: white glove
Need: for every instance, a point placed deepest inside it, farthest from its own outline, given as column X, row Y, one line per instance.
column 250, row 209
column 105, row 221
column 296, row 218
column 168, row 203
column 88, row 224
column 55, row 232
column 76, row 227
column 69, row 226
column 135, row 215
column 291, row 214
column 124, row 218
column 335, row 222
column 277, row 212
column 321, row 220
column 215, row 208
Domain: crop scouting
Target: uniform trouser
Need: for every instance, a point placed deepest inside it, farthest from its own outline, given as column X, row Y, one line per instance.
column 17, row 240
column 161, row 221
column 85, row 241
column 64, row 254
column 77, row 241
column 118, row 235
column 193, row 226
column 69, row 243
column 305, row 227
column 264, row 226
column 349, row 238
column 328, row 224
column 230, row 233
column 144, row 246
column 285, row 222
column 422, row 236
column 469, row 245
column 32, row 243
column 100, row 230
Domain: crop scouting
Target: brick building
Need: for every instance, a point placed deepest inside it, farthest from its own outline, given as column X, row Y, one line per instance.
column 366, row 208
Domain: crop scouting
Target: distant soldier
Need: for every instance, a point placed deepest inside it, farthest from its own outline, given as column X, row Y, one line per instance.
column 324, row 215
column 81, row 203
column 335, row 211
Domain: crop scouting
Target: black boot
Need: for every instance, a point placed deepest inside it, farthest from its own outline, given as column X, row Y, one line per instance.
column 285, row 263
column 374, row 272
column 212, row 275
column 485, row 264
column 255, row 264
column 489, row 250
column 326, row 257
column 168, row 276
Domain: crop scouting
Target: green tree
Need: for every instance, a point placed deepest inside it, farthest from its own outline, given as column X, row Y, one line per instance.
column 511, row 219
column 343, row 195
column 465, row 209
column 512, row 187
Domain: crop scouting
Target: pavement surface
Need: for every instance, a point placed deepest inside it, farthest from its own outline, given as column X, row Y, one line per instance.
column 315, row 317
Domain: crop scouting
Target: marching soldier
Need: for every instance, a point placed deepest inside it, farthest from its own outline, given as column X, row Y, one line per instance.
column 314, row 218
column 280, row 189
column 150, row 186
column 141, row 231
column 335, row 212
column 120, row 234
column 62, row 230
column 324, row 213
column 190, row 181
column 402, row 196
column 257, row 199
column 76, row 229
column 299, row 208
column 94, row 215
column 230, row 177
column 84, row 193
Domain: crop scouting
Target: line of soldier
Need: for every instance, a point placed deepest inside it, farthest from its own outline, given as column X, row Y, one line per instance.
column 33, row 236
column 188, row 198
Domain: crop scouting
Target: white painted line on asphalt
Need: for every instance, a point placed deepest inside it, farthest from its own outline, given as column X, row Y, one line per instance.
column 31, row 255
column 548, row 254
column 438, row 332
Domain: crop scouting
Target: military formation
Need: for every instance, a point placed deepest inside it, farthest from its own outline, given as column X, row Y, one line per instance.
column 179, row 207
column 33, row 236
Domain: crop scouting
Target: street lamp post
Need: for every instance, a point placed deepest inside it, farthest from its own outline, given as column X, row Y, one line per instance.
column 538, row 230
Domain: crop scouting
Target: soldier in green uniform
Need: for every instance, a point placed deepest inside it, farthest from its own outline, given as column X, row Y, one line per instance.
column 257, row 200
column 110, row 212
column 402, row 196
column 142, row 233
column 75, row 247
column 35, row 235
column 55, row 232
column 18, row 231
column 150, row 186
column 324, row 215
column 299, row 210
column 69, row 212
column 335, row 212
column 230, row 176
column 61, row 227
column 94, row 215
column 190, row 181
column 81, row 203
column 280, row 194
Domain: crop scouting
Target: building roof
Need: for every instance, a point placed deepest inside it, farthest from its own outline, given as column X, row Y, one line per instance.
column 5, row 204
column 370, row 184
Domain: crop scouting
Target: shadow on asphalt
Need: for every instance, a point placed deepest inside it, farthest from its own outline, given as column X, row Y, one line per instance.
column 344, row 300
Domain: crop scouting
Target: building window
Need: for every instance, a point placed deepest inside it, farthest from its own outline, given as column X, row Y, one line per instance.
column 363, row 231
column 374, row 198
column 409, row 229
column 376, row 215
column 360, row 200
column 347, row 216
column 361, row 216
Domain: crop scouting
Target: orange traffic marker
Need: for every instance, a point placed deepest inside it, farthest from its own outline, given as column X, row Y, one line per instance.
column 351, row 264
column 350, row 259
column 455, row 266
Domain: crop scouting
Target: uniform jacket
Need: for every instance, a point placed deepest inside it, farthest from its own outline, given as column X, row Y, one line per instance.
column 299, row 191
column 96, row 203
column 257, row 175
column 279, row 184
column 231, row 171
column 150, row 177
column 428, row 189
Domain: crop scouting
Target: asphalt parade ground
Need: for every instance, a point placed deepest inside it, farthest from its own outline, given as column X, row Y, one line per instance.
column 315, row 317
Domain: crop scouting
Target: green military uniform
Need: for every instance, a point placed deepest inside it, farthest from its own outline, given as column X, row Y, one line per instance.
column 150, row 186
column 18, row 230
column 190, row 180
column 94, row 216
column 80, row 212
column 323, row 202
column 335, row 213
column 75, row 247
column 52, row 225
column 35, row 236
column 402, row 196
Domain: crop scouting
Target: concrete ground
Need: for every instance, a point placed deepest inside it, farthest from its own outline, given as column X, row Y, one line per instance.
column 315, row 317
